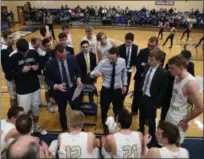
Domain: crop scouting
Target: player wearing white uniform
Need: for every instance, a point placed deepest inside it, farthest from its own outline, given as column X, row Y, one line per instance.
column 104, row 45
column 185, row 91
column 65, row 29
column 77, row 144
column 125, row 143
column 168, row 136
column 91, row 39
column 8, row 125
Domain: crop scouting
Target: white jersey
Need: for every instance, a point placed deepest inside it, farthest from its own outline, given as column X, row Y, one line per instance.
column 69, row 40
column 128, row 145
column 40, row 51
column 92, row 43
column 5, row 128
column 179, row 106
column 103, row 49
column 165, row 153
column 74, row 146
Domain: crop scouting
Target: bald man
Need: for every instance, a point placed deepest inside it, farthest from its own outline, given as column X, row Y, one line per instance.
column 26, row 147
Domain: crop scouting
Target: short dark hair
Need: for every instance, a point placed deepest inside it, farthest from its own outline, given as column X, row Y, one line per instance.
column 84, row 42
column 62, row 35
column 34, row 40
column 43, row 31
column 32, row 151
column 129, row 36
column 125, row 119
column 65, row 26
column 45, row 41
column 170, row 131
column 60, row 48
column 24, row 124
column 113, row 50
column 153, row 39
column 157, row 53
column 13, row 112
column 7, row 33
column 22, row 45
column 178, row 60
column 187, row 54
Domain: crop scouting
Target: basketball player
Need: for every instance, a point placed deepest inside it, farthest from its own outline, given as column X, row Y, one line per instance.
column 45, row 32
column 23, row 68
column 186, row 103
column 171, row 37
column 65, row 29
column 7, row 125
column 75, row 143
column 188, row 30
column 104, row 45
column 125, row 143
column 91, row 39
column 6, row 50
column 162, row 25
column 168, row 136
column 202, row 39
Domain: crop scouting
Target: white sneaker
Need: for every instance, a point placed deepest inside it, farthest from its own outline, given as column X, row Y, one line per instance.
column 37, row 128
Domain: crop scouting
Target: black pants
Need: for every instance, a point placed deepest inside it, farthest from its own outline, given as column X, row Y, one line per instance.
column 128, row 84
column 108, row 96
column 171, row 37
column 202, row 39
column 147, row 110
column 186, row 32
column 61, row 99
column 164, row 110
column 52, row 30
column 161, row 33
column 137, row 95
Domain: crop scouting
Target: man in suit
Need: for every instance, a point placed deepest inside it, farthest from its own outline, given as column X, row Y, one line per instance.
column 153, row 88
column 63, row 40
column 62, row 75
column 87, row 62
column 128, row 51
column 142, row 60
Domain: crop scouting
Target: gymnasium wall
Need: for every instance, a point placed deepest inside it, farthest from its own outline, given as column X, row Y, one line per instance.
column 179, row 5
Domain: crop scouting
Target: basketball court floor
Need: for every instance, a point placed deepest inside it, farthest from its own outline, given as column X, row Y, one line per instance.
column 50, row 121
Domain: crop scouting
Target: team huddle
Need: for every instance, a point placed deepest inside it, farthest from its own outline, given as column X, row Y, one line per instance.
column 61, row 71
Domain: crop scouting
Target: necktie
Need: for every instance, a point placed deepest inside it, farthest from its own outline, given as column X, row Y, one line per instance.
column 64, row 75
column 87, row 63
column 128, row 57
column 147, row 80
column 112, row 77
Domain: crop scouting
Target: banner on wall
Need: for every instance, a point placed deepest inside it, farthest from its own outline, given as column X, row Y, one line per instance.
column 164, row 2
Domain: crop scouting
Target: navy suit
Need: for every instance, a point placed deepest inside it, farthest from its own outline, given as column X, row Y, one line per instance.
column 70, row 50
column 53, row 76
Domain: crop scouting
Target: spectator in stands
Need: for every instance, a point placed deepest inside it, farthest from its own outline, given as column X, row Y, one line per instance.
column 168, row 136
column 63, row 40
column 65, row 29
column 86, row 142
column 6, row 50
column 90, row 38
column 104, row 45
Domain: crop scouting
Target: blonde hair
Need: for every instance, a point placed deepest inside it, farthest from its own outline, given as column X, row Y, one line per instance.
column 76, row 119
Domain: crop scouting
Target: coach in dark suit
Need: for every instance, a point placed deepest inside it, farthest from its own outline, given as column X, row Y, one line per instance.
column 87, row 62
column 62, row 75
column 63, row 40
column 128, row 51
column 153, row 88
column 142, row 60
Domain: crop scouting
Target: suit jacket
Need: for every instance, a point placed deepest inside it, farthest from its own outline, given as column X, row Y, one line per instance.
column 82, row 64
column 142, row 60
column 158, row 84
column 70, row 50
column 122, row 52
column 52, row 71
